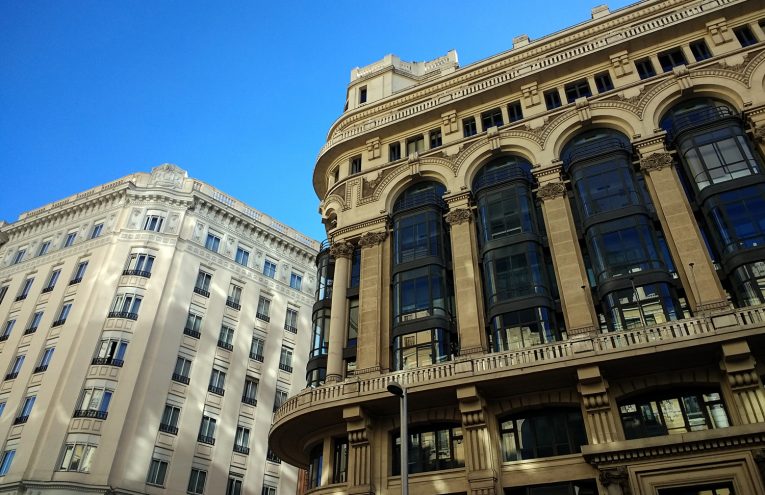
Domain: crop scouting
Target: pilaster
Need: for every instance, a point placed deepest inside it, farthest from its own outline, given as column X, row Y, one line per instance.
column 370, row 302
column 697, row 273
column 342, row 252
column 467, row 282
column 479, row 455
column 598, row 414
column 743, row 382
column 358, row 425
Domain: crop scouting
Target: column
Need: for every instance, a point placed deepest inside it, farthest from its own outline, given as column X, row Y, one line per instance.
column 743, row 383
column 695, row 268
column 598, row 415
column 480, row 458
column 342, row 252
column 757, row 120
column 359, row 451
column 570, row 273
column 370, row 302
column 467, row 281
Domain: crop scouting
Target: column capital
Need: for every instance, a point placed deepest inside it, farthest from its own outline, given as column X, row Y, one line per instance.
column 371, row 239
column 341, row 249
column 551, row 190
column 655, row 162
column 759, row 134
column 458, row 216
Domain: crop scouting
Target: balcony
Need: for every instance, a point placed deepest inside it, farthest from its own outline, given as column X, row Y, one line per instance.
column 75, row 281
column 231, row 303
column 173, row 430
column 205, row 439
column 90, row 413
column 263, row 317
column 3, row 338
column 192, row 333
column 216, row 390
column 30, row 330
column 58, row 323
column 250, row 400
column 123, row 314
column 225, row 345
column 20, row 297
column 202, row 292
column 253, row 356
column 285, row 367
column 137, row 273
column 41, row 368
column 181, row 379
column 47, row 289
column 107, row 361
column 12, row 375
column 290, row 328
column 241, row 449
column 20, row 420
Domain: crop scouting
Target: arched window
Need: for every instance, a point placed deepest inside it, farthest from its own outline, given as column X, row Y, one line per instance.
column 725, row 181
column 632, row 269
column 422, row 294
column 431, row 448
column 542, row 433
column 518, row 287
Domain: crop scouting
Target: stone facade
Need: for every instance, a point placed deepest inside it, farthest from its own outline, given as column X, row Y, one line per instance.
column 127, row 279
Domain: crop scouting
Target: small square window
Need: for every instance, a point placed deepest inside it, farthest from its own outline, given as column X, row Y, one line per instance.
column 700, row 50
column 70, row 237
column 671, row 58
column 415, row 144
column 96, row 232
column 603, row 82
column 435, row 138
column 44, row 247
column 552, row 99
column 153, row 223
column 213, row 242
column 515, row 111
column 394, row 151
column 355, row 165
column 577, row 89
column 492, row 118
column 242, row 256
column 362, row 94
column 469, row 127
column 645, row 68
column 745, row 36
column 296, row 281
column 269, row 268
column 19, row 256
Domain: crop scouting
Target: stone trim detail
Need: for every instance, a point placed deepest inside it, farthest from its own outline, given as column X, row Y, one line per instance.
column 341, row 249
column 618, row 477
column 551, row 190
column 458, row 216
column 759, row 134
column 655, row 162
column 371, row 239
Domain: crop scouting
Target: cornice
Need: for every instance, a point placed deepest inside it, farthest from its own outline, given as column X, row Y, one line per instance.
column 59, row 255
column 360, row 226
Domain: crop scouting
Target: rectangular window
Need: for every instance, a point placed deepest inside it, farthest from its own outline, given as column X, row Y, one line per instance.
column 353, row 321
column 492, row 118
column 335, row 175
column 52, row 280
column 296, row 281
column 94, row 403
column 415, row 144
column 197, row 481
column 226, row 338
column 515, row 111
column 153, row 223
column 242, row 256
column 285, row 359
column 3, row 291
column 355, row 165
column 264, row 308
column 279, row 398
column 182, row 370
column 13, row 372
column 242, row 440
column 207, row 430
column 157, row 471
column 6, row 461
column 745, row 36
column 34, row 324
column 213, row 241
column 234, row 296
column 250, row 392
column 79, row 273
column 7, row 329
column 256, row 349
column 394, row 151
column 217, row 382
column 435, row 138
column 603, row 82
column 26, row 410
column 77, row 457
column 645, row 68
column 193, row 325
column 671, row 58
column 269, row 268
column 700, row 50
column 19, row 256
column 268, row 490
column 96, row 232
column 552, row 99
column 362, row 94
column 126, row 306
column 70, row 237
column 169, row 421
column 290, row 320
column 24, row 292
column 202, row 285
column 577, row 89
column 139, row 264
column 44, row 247
column 45, row 360
column 63, row 314
column 469, row 127
column 2, row 407
column 340, row 464
column 111, row 352
column 234, row 485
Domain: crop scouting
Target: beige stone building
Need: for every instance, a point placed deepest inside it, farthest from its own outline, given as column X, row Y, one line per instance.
column 560, row 252
column 149, row 327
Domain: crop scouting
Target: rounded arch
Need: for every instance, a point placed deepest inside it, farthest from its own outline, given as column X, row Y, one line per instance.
column 635, row 387
column 659, row 103
column 393, row 190
column 607, row 117
column 474, row 157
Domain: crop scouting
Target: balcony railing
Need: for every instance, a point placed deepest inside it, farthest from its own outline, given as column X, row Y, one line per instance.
column 256, row 357
column 202, row 292
column 233, row 304
column 216, row 390
column 20, row 420
column 41, row 368
column 644, row 339
column 75, row 281
column 262, row 316
column 90, row 413
column 3, row 338
column 30, row 330
column 20, row 297
column 192, row 333
column 58, row 323
column 225, row 345
column 290, row 328
column 47, row 289
column 241, row 449
column 181, row 379
column 250, row 400
column 137, row 273
column 173, row 430
column 108, row 362
column 123, row 314
column 205, row 439
column 12, row 375
column 285, row 367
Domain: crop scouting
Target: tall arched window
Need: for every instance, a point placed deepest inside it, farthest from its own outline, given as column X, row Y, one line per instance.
column 725, row 180
column 518, row 288
column 630, row 264
column 423, row 329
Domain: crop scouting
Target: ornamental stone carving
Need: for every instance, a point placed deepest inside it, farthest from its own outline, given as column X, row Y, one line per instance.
column 371, row 239
column 759, row 134
column 655, row 162
column 341, row 249
column 551, row 190
column 458, row 216
column 615, row 480
column 168, row 175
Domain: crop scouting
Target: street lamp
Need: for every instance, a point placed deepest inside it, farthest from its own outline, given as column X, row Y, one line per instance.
column 399, row 391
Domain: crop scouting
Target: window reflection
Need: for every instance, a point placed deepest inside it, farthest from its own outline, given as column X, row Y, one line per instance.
column 431, row 448
column 670, row 414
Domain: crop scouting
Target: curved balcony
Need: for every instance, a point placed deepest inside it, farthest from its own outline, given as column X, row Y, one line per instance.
column 325, row 404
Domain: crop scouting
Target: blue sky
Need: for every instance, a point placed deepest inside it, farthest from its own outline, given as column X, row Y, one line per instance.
column 239, row 93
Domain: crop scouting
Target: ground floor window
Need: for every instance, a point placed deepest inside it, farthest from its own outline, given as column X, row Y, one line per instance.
column 431, row 448
column 711, row 489
column 542, row 434
column 672, row 413
column 581, row 487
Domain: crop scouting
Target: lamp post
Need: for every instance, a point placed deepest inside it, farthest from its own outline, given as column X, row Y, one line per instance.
column 399, row 391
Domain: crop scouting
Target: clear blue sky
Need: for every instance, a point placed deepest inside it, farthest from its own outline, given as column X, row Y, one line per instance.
column 239, row 93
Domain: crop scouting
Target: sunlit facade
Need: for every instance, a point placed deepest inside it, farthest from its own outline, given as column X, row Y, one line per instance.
column 149, row 327
column 559, row 251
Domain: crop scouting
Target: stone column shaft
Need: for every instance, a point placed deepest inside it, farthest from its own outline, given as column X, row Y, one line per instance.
column 743, row 382
column 370, row 302
column 359, row 451
column 342, row 252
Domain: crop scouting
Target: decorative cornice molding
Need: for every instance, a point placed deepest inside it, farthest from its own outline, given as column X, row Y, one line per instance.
column 371, row 239
column 551, row 190
column 655, row 162
column 458, row 216
column 363, row 226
